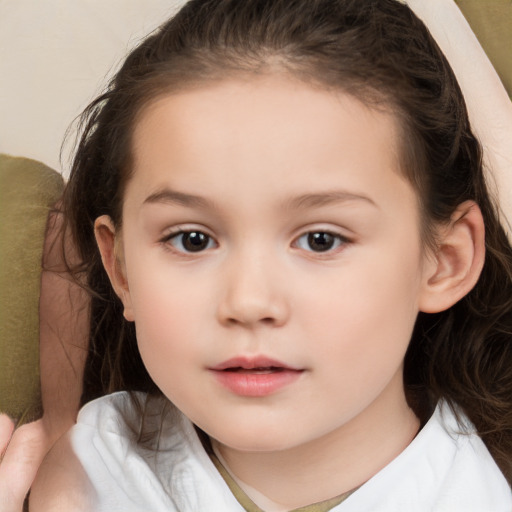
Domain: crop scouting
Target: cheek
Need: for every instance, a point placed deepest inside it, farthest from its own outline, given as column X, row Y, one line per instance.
column 367, row 317
column 170, row 344
column 162, row 294
column 169, row 317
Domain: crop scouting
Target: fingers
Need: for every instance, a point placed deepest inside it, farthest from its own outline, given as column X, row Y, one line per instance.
column 24, row 451
column 6, row 430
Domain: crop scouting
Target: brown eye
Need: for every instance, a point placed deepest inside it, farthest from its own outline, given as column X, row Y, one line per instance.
column 191, row 241
column 320, row 241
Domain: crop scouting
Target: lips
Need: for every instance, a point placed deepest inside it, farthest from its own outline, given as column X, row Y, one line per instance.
column 255, row 377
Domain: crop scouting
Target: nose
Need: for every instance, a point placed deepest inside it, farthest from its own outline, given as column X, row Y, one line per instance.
column 252, row 294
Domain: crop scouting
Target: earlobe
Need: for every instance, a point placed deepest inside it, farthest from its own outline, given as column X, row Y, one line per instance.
column 454, row 269
column 108, row 244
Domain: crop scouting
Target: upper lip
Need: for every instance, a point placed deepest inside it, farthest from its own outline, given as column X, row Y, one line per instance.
column 250, row 363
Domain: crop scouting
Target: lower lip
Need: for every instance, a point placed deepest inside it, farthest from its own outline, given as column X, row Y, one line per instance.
column 256, row 384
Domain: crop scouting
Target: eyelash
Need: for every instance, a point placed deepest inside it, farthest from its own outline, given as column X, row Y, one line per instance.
column 334, row 241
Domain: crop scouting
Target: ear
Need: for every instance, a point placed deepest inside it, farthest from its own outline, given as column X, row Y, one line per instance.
column 455, row 267
column 111, row 255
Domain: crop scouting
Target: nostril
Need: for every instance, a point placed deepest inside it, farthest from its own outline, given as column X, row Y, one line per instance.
column 266, row 320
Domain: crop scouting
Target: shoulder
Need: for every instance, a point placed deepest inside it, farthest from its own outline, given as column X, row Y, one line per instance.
column 446, row 468
column 471, row 475
column 61, row 483
column 463, row 474
column 114, row 461
column 87, row 459
column 107, row 461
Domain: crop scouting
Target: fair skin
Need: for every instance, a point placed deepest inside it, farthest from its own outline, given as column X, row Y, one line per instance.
column 21, row 453
column 63, row 340
column 281, row 325
column 63, row 331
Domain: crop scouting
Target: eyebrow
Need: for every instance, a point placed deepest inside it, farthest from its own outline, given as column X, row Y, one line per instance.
column 304, row 201
column 316, row 200
column 168, row 196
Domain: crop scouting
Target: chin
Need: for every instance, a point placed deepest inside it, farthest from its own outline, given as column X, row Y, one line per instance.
column 253, row 439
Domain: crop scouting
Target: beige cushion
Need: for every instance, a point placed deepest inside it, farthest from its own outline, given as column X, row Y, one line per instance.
column 491, row 21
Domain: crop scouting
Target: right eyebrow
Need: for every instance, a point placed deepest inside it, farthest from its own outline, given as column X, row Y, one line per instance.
column 168, row 196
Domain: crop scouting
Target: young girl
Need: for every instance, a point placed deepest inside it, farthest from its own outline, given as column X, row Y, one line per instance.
column 301, row 289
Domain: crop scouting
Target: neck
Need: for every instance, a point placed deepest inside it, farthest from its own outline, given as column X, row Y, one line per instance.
column 329, row 466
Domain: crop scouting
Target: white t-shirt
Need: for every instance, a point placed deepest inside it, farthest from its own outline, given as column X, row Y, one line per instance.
column 442, row 470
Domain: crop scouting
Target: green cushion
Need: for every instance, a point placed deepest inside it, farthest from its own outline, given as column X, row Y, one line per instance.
column 491, row 21
column 28, row 190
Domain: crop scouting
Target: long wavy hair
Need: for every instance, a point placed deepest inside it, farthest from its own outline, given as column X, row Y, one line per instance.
column 377, row 51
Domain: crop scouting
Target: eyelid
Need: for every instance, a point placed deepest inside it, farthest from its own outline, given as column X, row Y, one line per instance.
column 171, row 231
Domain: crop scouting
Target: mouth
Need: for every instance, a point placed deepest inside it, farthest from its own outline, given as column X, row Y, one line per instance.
column 255, row 377
column 259, row 364
column 256, row 371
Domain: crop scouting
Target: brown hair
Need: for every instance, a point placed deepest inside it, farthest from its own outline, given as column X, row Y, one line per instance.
column 377, row 51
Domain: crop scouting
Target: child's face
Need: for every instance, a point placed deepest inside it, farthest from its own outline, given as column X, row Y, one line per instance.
column 267, row 225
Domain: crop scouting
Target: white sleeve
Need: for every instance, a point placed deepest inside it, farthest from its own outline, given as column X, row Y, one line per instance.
column 490, row 109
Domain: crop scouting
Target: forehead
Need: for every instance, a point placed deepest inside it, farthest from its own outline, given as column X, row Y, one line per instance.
column 277, row 129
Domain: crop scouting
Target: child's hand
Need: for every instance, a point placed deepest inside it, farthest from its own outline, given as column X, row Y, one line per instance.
column 22, row 451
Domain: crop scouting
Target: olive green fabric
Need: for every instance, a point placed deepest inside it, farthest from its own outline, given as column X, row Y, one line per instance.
column 491, row 21
column 28, row 190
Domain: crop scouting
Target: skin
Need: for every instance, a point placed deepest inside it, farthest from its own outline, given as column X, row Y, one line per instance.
column 63, row 333
column 256, row 166
column 22, row 451
column 270, row 161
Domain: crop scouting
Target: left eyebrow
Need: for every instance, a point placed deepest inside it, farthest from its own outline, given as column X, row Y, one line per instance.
column 168, row 196
column 316, row 200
